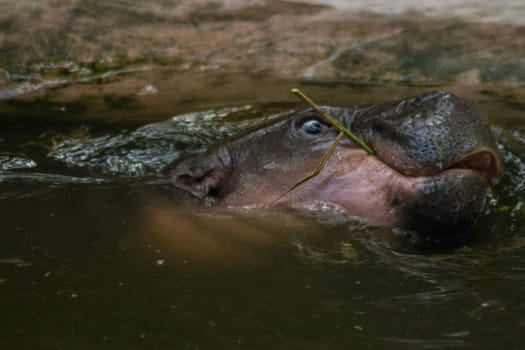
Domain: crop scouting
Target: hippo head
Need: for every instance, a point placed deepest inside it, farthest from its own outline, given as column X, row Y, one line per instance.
column 433, row 165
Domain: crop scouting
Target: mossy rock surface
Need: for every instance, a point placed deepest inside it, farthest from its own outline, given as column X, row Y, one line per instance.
column 53, row 44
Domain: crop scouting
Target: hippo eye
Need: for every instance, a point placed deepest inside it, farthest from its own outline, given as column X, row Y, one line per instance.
column 313, row 126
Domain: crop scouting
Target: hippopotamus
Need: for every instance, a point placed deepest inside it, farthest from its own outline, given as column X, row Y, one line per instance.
column 433, row 164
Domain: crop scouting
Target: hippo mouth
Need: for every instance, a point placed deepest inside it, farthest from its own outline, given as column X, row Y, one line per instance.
column 483, row 161
column 442, row 204
column 429, row 204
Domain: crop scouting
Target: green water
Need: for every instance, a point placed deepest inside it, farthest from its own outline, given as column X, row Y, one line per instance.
column 88, row 258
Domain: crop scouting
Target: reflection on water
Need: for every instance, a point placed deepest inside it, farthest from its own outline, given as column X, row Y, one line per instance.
column 89, row 258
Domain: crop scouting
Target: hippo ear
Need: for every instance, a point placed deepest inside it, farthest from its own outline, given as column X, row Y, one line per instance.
column 203, row 176
column 201, row 182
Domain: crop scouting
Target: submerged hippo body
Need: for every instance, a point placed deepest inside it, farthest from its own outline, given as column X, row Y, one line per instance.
column 434, row 162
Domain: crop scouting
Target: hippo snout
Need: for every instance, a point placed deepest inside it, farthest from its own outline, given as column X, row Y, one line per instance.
column 426, row 134
column 442, row 145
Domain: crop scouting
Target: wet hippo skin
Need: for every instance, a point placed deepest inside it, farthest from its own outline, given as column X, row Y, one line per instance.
column 434, row 162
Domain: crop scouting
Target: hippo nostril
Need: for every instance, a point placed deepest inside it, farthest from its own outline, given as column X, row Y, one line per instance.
column 483, row 161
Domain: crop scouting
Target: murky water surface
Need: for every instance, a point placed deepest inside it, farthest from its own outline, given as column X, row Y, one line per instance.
column 98, row 253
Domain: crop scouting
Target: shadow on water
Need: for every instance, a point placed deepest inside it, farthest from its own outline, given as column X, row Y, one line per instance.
column 88, row 258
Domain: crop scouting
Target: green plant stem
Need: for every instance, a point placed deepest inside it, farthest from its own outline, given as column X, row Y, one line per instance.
column 320, row 167
column 336, row 123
